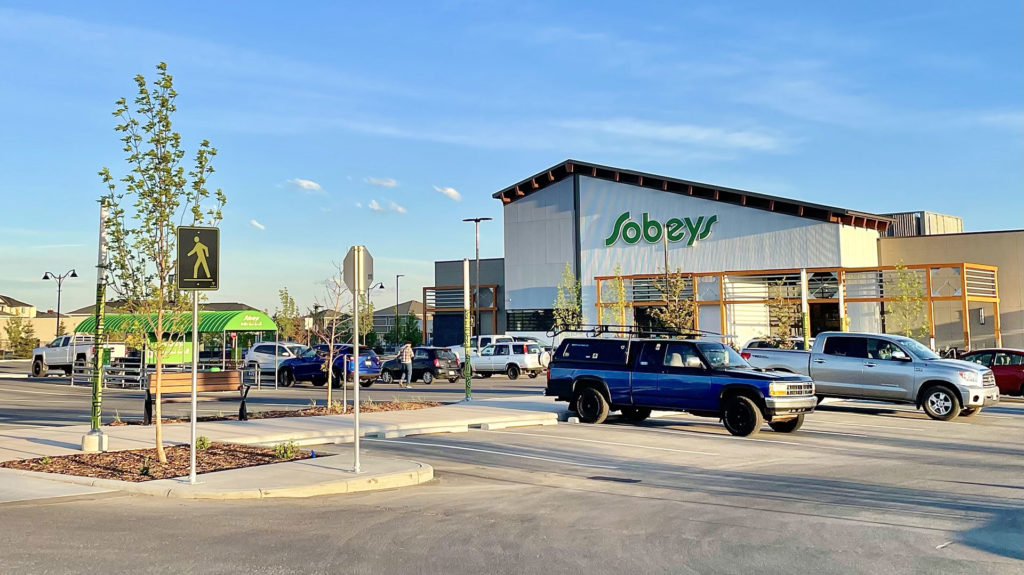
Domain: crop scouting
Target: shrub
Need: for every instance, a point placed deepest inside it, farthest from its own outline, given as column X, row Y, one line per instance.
column 202, row 443
column 287, row 450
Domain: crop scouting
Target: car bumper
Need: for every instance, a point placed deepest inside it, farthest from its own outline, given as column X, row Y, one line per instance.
column 782, row 405
column 984, row 397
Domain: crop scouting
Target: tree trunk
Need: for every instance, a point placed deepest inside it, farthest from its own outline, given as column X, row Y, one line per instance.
column 161, row 456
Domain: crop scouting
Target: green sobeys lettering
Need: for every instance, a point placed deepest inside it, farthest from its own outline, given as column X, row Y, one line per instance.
column 651, row 230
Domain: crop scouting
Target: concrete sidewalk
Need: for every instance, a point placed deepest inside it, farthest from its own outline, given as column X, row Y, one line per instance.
column 294, row 479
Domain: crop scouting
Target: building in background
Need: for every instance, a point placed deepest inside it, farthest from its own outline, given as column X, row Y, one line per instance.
column 444, row 300
column 384, row 319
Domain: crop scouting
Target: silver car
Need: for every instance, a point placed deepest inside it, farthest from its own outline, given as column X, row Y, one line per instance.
column 263, row 353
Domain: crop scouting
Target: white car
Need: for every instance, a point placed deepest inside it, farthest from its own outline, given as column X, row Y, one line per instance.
column 512, row 359
column 263, row 353
column 476, row 343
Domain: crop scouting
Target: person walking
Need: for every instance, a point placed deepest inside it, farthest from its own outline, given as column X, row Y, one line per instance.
column 405, row 356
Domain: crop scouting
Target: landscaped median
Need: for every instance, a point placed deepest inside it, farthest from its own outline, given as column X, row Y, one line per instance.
column 252, row 444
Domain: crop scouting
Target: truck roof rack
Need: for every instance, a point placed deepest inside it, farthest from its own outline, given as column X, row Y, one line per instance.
column 632, row 331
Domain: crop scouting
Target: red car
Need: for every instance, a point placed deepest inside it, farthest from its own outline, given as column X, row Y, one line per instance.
column 1006, row 364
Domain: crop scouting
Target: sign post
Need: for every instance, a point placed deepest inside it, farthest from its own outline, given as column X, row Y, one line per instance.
column 199, row 247
column 467, row 330
column 357, row 271
column 96, row 440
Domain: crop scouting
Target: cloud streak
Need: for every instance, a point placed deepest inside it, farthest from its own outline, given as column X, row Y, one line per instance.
column 382, row 182
column 396, row 208
column 450, row 192
column 373, row 205
column 257, row 225
column 306, row 185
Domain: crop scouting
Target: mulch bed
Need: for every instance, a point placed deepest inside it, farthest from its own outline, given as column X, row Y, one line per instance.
column 141, row 464
column 364, row 407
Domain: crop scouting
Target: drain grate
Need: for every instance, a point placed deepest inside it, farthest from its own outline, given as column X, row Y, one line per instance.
column 613, row 479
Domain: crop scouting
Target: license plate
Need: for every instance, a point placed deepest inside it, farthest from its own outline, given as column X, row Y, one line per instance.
column 451, row 373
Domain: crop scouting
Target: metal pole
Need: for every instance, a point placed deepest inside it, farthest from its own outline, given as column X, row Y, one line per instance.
column 95, row 440
column 195, row 368
column 477, row 300
column 397, row 336
column 355, row 355
column 467, row 369
column 805, row 311
column 56, row 328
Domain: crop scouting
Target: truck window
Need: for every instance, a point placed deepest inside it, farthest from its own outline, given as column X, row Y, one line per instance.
column 653, row 354
column 880, row 348
column 843, row 346
column 600, row 350
column 682, row 355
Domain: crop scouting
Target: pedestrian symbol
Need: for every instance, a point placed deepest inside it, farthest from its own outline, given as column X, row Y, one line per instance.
column 198, row 258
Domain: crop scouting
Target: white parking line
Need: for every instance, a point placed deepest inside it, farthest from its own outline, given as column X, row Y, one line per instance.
column 576, row 440
column 719, row 436
column 877, row 426
column 460, row 448
column 834, row 433
column 16, row 390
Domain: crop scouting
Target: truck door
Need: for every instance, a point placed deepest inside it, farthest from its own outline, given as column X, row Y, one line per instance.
column 684, row 378
column 837, row 369
column 646, row 371
column 888, row 371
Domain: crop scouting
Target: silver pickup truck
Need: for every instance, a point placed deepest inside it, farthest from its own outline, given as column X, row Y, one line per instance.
column 886, row 368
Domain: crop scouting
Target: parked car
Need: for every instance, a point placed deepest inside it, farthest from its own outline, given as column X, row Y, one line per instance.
column 764, row 342
column 705, row 378
column 512, row 359
column 307, row 365
column 428, row 364
column 369, row 365
column 67, row 351
column 269, row 354
column 886, row 368
column 1007, row 366
column 477, row 343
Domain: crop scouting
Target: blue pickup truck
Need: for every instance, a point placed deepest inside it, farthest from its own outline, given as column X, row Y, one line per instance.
column 705, row 378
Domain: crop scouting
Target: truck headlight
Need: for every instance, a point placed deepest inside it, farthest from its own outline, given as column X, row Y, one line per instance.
column 778, row 388
column 970, row 377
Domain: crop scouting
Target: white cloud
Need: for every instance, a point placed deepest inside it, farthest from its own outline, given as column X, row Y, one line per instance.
column 397, row 208
column 381, row 182
column 373, row 205
column 359, row 204
column 257, row 225
column 308, row 185
column 678, row 133
column 450, row 192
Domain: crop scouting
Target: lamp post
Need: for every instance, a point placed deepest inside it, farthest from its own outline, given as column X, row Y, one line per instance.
column 378, row 285
column 476, row 225
column 60, row 280
column 396, row 307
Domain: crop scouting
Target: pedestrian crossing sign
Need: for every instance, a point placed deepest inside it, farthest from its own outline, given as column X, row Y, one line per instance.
column 198, row 258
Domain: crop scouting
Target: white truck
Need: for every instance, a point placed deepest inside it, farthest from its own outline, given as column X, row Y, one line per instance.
column 67, row 351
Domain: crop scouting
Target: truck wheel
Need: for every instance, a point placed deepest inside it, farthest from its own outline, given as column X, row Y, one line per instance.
column 970, row 412
column 742, row 416
column 787, row 425
column 591, row 405
column 636, row 414
column 512, row 372
column 940, row 403
column 38, row 368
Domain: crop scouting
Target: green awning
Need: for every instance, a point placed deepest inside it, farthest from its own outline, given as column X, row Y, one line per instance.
column 209, row 322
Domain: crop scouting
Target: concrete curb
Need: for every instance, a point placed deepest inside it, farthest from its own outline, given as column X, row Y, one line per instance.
column 409, row 473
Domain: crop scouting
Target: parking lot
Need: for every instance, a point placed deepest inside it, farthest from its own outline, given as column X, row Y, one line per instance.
column 861, row 488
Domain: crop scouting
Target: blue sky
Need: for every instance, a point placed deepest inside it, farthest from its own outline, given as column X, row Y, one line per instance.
column 386, row 124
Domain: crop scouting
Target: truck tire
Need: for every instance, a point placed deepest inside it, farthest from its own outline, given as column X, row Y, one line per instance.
column 787, row 425
column 38, row 368
column 512, row 371
column 591, row 406
column 741, row 416
column 970, row 411
column 635, row 414
column 940, row 403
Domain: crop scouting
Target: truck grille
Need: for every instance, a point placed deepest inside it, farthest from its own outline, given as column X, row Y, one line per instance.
column 988, row 379
column 800, row 389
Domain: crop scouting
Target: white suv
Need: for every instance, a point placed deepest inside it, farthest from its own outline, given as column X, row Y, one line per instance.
column 511, row 358
column 476, row 343
column 262, row 353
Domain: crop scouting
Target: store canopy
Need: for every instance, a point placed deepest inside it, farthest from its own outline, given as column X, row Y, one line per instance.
column 209, row 322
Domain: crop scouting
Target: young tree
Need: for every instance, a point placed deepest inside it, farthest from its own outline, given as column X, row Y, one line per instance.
column 289, row 324
column 906, row 311
column 783, row 316
column 21, row 335
column 619, row 301
column 154, row 197
column 366, row 319
column 568, row 307
column 679, row 311
column 409, row 329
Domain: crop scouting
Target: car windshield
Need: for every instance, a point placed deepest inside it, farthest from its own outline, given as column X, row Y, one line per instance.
column 307, row 352
column 720, row 355
column 917, row 348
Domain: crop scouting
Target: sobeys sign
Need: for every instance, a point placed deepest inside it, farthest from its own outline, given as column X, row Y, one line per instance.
column 651, row 230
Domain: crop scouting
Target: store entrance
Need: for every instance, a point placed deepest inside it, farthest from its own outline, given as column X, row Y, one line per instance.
column 824, row 317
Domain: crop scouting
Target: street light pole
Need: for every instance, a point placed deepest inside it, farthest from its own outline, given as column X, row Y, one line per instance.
column 60, row 280
column 396, row 307
column 476, row 225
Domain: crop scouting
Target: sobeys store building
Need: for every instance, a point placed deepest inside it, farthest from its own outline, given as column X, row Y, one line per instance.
column 738, row 249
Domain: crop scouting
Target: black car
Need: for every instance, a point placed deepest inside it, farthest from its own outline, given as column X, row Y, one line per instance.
column 428, row 364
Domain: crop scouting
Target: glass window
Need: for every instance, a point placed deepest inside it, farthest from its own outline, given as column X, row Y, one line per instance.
column 881, row 349
column 652, row 354
column 1004, row 358
column 501, row 350
column 533, row 348
column 843, row 346
column 917, row 348
column 420, row 354
column 602, row 350
column 983, row 358
column 530, row 320
column 488, row 351
column 721, row 356
column 682, row 354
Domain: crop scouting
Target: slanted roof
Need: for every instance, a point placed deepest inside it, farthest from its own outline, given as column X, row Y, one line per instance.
column 799, row 208
column 405, row 308
column 11, row 302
